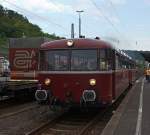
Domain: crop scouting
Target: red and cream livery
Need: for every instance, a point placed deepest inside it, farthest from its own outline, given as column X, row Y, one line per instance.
column 82, row 72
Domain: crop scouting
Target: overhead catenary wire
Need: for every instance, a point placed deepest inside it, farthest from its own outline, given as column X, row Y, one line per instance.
column 121, row 23
column 108, row 20
column 114, row 8
column 35, row 15
column 54, row 3
column 73, row 17
column 116, row 12
column 105, row 17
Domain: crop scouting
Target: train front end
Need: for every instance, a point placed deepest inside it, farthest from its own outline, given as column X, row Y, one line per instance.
column 75, row 73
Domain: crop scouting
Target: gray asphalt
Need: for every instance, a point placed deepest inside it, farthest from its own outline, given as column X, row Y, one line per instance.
column 133, row 115
column 128, row 121
column 146, row 110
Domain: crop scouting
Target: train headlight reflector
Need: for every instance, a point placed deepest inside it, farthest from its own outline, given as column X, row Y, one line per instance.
column 92, row 82
column 70, row 43
column 47, row 81
column 89, row 95
column 41, row 95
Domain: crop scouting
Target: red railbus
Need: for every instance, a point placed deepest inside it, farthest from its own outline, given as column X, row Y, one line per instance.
column 82, row 72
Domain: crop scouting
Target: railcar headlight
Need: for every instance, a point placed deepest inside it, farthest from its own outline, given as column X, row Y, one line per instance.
column 70, row 43
column 47, row 81
column 92, row 82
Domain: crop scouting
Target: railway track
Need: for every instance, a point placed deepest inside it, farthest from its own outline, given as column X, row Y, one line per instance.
column 10, row 109
column 69, row 123
column 10, row 102
column 4, row 103
column 96, row 126
column 78, row 123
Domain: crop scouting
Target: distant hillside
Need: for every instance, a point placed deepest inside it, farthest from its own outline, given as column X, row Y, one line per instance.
column 137, row 56
column 14, row 25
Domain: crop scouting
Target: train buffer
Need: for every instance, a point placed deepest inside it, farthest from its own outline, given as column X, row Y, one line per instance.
column 133, row 115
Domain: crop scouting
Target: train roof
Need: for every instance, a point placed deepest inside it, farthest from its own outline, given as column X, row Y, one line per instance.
column 77, row 43
column 86, row 43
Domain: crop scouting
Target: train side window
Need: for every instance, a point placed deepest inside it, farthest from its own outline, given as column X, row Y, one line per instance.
column 109, row 56
column 124, row 64
column 105, row 59
column 117, row 62
column 102, row 59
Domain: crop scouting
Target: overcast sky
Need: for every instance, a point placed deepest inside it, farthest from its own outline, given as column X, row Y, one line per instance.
column 124, row 20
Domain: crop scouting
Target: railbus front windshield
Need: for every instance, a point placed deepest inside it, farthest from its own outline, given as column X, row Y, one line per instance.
column 74, row 60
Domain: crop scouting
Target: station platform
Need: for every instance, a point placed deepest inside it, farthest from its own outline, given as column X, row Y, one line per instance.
column 133, row 115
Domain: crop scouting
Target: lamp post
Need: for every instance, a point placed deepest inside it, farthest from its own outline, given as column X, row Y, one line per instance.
column 79, row 11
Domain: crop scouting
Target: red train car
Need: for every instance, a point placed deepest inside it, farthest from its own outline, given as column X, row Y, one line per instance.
column 82, row 72
column 23, row 57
